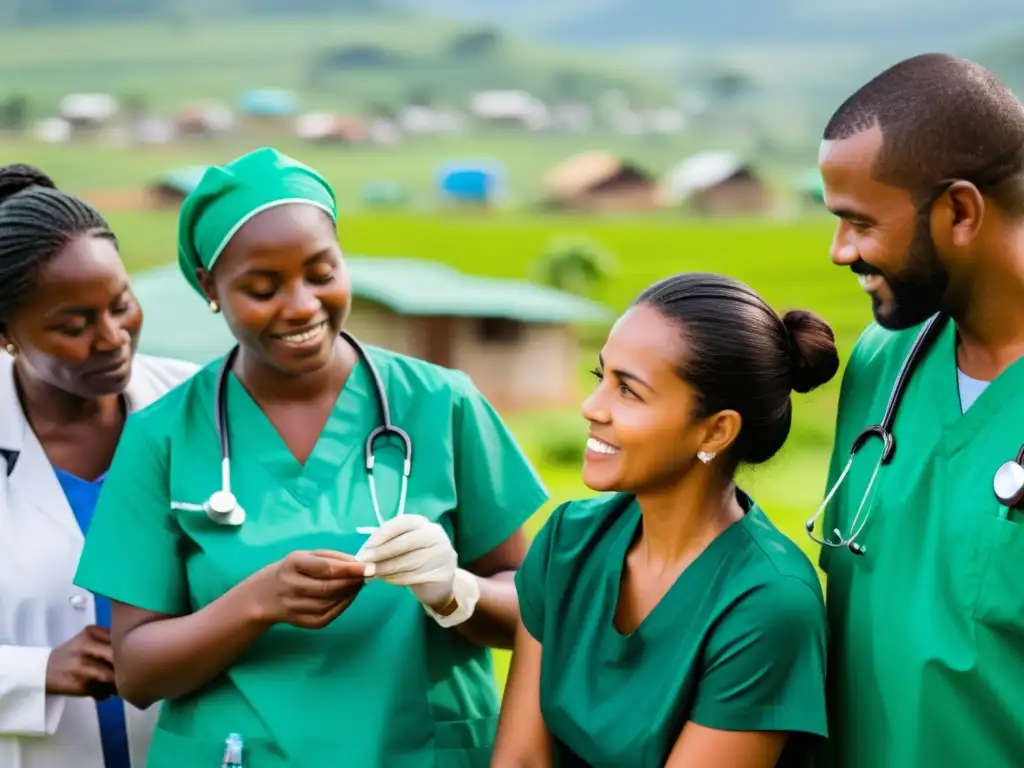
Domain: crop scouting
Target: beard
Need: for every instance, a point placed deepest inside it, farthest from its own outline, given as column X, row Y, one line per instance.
column 917, row 291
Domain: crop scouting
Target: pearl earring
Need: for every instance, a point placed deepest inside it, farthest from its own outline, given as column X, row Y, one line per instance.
column 11, row 350
column 214, row 306
column 705, row 456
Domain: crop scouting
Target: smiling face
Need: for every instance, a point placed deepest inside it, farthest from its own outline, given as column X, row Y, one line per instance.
column 881, row 235
column 78, row 329
column 283, row 287
column 642, row 434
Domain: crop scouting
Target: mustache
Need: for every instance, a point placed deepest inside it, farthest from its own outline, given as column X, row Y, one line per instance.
column 863, row 268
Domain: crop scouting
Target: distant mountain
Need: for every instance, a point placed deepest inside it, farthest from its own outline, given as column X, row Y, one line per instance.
column 914, row 24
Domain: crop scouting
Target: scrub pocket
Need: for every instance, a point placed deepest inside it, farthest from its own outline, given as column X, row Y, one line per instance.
column 172, row 750
column 465, row 743
column 1000, row 602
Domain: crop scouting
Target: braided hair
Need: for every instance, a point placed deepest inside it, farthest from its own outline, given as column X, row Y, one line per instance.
column 37, row 221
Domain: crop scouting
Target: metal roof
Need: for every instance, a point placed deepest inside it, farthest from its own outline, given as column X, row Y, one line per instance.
column 418, row 287
column 697, row 173
column 183, row 180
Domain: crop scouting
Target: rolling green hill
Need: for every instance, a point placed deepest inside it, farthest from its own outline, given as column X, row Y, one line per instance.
column 379, row 59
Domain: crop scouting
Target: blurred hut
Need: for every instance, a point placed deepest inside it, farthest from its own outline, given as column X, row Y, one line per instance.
column 271, row 110
column 203, row 120
column 170, row 189
column 88, row 113
column 515, row 339
column 600, row 182
column 330, row 128
column 716, row 184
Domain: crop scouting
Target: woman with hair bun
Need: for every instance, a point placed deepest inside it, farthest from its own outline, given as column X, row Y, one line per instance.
column 69, row 375
column 668, row 622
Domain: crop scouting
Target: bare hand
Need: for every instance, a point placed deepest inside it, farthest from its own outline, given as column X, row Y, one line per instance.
column 83, row 666
column 308, row 589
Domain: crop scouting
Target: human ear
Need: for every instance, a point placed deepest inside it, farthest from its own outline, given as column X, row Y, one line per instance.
column 961, row 213
column 721, row 431
column 206, row 281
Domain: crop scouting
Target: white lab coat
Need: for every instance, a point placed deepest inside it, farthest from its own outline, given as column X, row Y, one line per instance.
column 40, row 608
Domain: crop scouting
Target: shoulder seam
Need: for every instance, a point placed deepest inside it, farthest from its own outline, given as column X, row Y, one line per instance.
column 771, row 560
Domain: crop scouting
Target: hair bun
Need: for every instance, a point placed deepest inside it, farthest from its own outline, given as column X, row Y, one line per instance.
column 18, row 177
column 815, row 359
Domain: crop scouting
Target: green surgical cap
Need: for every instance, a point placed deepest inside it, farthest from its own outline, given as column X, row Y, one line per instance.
column 230, row 195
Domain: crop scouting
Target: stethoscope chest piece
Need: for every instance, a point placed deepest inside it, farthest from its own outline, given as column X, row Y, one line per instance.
column 1009, row 484
column 223, row 508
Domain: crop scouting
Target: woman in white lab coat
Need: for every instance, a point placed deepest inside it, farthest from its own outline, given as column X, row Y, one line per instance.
column 69, row 328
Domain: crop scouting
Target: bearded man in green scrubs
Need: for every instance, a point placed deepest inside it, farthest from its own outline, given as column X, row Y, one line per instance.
column 924, row 169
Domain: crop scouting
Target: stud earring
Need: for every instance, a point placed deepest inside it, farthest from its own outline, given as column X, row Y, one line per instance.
column 11, row 350
column 705, row 456
column 214, row 306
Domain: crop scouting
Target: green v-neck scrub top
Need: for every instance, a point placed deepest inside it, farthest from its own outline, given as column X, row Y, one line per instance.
column 928, row 625
column 737, row 643
column 383, row 686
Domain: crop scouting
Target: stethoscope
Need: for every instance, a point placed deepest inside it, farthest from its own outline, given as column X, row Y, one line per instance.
column 1008, row 483
column 223, row 507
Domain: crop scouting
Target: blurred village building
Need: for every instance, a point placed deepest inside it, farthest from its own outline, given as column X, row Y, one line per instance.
column 716, row 184
column 600, row 182
column 515, row 339
column 711, row 183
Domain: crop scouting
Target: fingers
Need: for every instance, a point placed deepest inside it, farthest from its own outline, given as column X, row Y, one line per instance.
column 327, row 568
column 410, row 541
column 395, row 527
column 410, row 578
column 325, row 589
column 333, row 554
column 402, row 563
column 99, row 634
column 321, row 619
column 92, row 670
column 311, row 608
column 98, row 651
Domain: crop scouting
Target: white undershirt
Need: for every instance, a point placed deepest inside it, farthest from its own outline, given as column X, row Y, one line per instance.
column 970, row 389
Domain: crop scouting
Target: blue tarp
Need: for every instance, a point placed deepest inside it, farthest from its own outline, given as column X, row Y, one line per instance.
column 270, row 103
column 470, row 181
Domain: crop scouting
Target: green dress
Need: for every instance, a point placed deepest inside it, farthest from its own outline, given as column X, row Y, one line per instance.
column 928, row 625
column 737, row 643
column 382, row 686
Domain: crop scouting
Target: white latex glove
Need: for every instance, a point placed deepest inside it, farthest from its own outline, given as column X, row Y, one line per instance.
column 413, row 552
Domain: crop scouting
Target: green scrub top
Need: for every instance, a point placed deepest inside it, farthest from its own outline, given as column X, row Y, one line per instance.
column 383, row 686
column 927, row 661
column 737, row 643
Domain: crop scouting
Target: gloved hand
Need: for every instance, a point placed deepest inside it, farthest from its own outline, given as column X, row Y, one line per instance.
column 413, row 552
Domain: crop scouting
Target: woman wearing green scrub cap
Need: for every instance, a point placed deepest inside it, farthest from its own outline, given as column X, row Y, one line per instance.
column 272, row 630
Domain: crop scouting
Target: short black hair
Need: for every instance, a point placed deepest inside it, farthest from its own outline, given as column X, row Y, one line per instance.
column 742, row 356
column 942, row 118
column 36, row 222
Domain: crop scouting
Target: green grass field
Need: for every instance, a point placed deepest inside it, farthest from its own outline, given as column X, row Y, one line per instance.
column 786, row 261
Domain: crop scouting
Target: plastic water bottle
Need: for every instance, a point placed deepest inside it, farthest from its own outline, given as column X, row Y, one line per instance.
column 233, row 752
